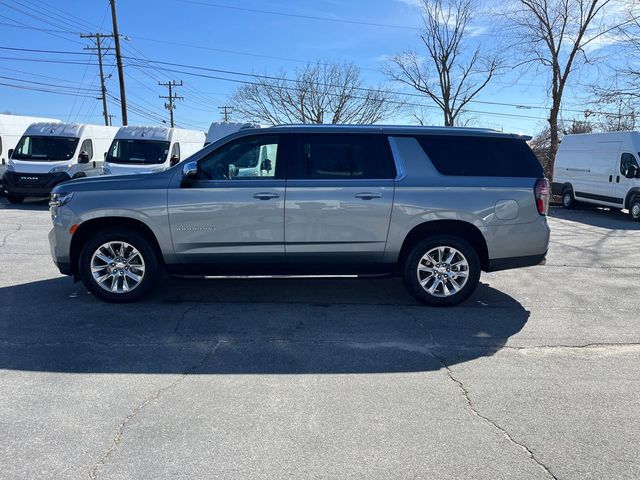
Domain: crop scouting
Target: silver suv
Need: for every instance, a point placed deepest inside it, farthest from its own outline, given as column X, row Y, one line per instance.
column 434, row 205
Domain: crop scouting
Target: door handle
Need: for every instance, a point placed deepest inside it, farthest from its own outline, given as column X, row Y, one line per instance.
column 266, row 195
column 368, row 195
column 618, row 179
column 610, row 178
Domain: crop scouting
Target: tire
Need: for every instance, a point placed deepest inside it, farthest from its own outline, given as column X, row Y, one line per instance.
column 568, row 200
column 15, row 200
column 634, row 208
column 439, row 248
column 118, row 285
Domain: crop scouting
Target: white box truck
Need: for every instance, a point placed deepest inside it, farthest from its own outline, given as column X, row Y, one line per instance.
column 150, row 149
column 12, row 128
column 51, row 153
column 600, row 169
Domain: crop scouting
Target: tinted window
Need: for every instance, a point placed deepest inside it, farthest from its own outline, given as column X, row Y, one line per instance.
column 343, row 157
column 248, row 158
column 138, row 151
column 481, row 156
column 626, row 161
column 45, row 148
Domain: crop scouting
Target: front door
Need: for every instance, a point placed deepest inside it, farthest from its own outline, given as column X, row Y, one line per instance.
column 339, row 198
column 226, row 217
column 624, row 184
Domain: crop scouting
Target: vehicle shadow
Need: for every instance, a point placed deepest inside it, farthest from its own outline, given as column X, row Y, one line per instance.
column 37, row 204
column 241, row 326
column 601, row 217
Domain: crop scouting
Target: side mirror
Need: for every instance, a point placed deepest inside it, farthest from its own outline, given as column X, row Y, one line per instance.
column 10, row 153
column 190, row 170
column 83, row 157
column 632, row 171
column 175, row 159
column 233, row 171
column 265, row 166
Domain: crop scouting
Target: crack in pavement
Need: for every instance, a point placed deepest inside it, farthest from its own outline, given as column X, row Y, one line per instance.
column 117, row 439
column 3, row 240
column 470, row 406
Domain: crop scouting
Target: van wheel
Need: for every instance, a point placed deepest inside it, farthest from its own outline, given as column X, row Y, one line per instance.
column 634, row 209
column 442, row 271
column 15, row 200
column 118, row 265
column 568, row 201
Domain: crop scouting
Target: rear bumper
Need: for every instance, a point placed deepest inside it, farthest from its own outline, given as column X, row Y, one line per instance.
column 32, row 185
column 498, row 264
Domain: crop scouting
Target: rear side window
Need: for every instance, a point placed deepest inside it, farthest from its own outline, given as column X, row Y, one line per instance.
column 343, row 157
column 481, row 156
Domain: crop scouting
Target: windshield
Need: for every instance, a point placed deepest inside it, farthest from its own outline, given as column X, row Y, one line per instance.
column 45, row 148
column 138, row 151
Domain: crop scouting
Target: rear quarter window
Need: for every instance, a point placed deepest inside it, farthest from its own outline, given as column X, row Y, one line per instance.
column 481, row 156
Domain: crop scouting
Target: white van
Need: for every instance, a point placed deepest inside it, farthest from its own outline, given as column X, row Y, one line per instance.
column 601, row 169
column 150, row 149
column 218, row 130
column 50, row 153
column 12, row 128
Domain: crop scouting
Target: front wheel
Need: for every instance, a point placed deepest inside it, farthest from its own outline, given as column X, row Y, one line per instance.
column 568, row 201
column 118, row 265
column 634, row 209
column 442, row 271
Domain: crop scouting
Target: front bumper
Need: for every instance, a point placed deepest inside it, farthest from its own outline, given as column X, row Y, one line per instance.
column 32, row 184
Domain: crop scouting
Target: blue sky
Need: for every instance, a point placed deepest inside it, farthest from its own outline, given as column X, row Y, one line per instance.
column 204, row 33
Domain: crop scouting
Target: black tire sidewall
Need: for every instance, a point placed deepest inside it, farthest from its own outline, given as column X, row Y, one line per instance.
column 417, row 252
column 572, row 201
column 133, row 238
column 634, row 201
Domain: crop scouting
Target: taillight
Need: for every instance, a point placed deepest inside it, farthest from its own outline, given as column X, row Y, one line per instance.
column 542, row 194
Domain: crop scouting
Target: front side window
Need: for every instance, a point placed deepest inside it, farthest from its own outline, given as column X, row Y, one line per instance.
column 138, row 152
column 627, row 161
column 45, row 148
column 343, row 157
column 175, row 151
column 87, row 146
column 246, row 158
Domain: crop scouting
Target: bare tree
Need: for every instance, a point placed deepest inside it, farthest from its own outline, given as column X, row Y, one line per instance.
column 452, row 74
column 557, row 34
column 318, row 93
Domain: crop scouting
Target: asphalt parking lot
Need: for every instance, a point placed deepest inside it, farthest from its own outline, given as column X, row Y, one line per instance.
column 536, row 376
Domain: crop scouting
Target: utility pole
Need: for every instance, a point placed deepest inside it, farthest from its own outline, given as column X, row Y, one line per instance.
column 171, row 104
column 226, row 113
column 116, row 38
column 98, row 40
column 111, row 119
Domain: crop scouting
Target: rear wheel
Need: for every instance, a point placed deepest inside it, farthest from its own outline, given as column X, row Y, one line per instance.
column 118, row 265
column 442, row 271
column 14, row 199
column 568, row 200
column 634, row 209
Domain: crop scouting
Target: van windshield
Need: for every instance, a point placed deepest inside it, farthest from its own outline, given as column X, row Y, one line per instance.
column 138, row 151
column 45, row 148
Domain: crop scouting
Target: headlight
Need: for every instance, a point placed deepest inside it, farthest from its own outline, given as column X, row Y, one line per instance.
column 59, row 199
column 10, row 166
column 62, row 168
column 105, row 170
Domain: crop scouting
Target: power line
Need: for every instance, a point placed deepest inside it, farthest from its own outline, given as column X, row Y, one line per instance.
column 98, row 38
column 172, row 97
column 295, row 15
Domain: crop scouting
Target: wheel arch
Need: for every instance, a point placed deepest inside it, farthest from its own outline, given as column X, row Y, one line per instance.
column 90, row 227
column 633, row 192
column 465, row 230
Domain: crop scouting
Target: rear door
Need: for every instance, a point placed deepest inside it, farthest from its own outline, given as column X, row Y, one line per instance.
column 624, row 184
column 340, row 191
